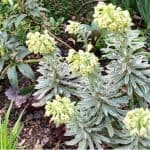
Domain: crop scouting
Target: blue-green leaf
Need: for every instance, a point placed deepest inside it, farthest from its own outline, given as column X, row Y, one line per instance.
column 12, row 76
column 26, row 70
column 23, row 52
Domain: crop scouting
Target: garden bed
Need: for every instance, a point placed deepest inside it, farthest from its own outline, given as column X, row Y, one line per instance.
column 75, row 70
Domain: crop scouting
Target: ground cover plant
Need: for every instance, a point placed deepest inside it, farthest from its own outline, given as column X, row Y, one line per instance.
column 103, row 106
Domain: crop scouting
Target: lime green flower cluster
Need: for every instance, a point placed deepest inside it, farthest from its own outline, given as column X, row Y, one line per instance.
column 84, row 63
column 73, row 27
column 137, row 121
column 112, row 18
column 40, row 43
column 61, row 109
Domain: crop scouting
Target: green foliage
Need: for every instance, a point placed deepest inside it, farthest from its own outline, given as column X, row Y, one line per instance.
column 23, row 16
column 144, row 9
column 55, row 24
column 12, row 59
column 141, row 7
column 101, row 100
column 128, row 142
column 105, row 106
column 17, row 19
column 126, row 4
column 104, row 98
column 86, row 133
column 9, row 137
column 130, row 66
column 62, row 8
column 55, row 79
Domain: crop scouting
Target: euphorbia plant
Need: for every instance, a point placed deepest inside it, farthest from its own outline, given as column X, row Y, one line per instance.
column 130, row 65
column 101, row 100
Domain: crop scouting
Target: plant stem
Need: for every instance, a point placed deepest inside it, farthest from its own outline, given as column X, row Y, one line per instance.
column 132, row 101
column 5, row 70
column 61, row 41
column 32, row 60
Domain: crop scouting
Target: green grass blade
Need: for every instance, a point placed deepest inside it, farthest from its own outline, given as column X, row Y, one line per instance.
column 9, row 140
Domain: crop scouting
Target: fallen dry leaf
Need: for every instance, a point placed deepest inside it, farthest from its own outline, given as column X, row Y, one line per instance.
column 38, row 145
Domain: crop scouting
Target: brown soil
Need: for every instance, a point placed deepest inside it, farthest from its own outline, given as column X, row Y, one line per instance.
column 38, row 132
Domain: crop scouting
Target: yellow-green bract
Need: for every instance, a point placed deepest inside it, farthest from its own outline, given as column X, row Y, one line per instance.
column 137, row 121
column 61, row 109
column 40, row 43
column 112, row 18
column 84, row 63
column 73, row 27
